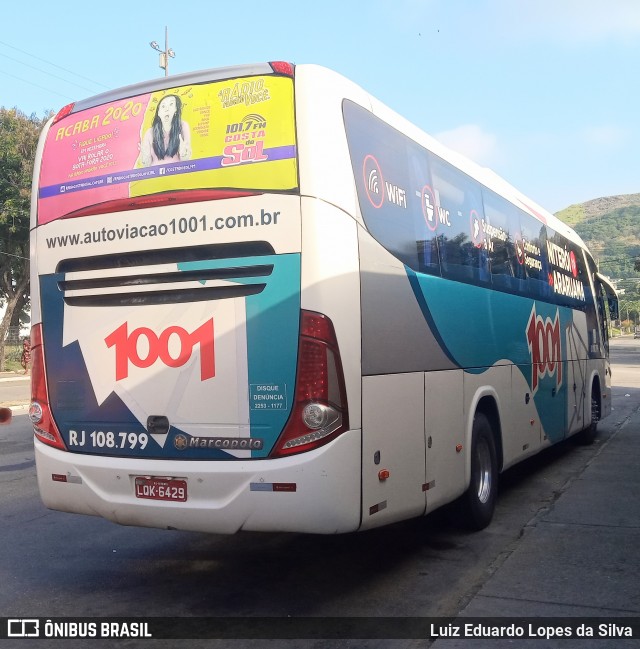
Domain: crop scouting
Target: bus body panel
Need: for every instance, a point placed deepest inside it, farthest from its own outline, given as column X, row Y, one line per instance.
column 221, row 370
column 318, row 492
column 330, row 284
column 393, row 449
column 225, row 221
column 445, row 429
column 319, row 97
column 527, row 427
column 395, row 334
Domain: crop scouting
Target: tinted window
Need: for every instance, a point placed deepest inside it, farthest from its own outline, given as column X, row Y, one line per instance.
column 436, row 219
column 567, row 272
column 461, row 236
column 394, row 189
column 530, row 246
column 501, row 228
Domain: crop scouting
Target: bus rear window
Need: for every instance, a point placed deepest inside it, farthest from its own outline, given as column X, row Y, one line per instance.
column 233, row 134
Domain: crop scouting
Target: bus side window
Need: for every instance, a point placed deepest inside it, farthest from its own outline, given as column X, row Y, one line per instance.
column 531, row 241
column 385, row 163
column 507, row 265
column 461, row 239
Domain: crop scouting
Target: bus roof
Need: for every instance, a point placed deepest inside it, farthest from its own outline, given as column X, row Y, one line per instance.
column 484, row 175
column 200, row 76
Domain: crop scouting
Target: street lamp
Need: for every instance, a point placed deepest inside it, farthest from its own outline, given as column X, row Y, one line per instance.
column 164, row 54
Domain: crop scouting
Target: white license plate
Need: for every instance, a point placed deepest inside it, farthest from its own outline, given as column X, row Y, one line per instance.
column 161, row 489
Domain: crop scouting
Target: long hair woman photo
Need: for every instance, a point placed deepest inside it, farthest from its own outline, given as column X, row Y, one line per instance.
column 168, row 139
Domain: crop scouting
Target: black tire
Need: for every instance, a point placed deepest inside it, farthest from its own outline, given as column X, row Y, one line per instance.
column 478, row 503
column 588, row 435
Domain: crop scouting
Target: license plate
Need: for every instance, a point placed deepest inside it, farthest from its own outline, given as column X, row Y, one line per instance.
column 161, row 489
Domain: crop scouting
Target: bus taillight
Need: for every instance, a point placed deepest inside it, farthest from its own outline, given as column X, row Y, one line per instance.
column 282, row 67
column 44, row 427
column 63, row 112
column 320, row 410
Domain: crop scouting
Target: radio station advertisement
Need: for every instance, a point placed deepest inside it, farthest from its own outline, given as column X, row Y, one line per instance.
column 232, row 134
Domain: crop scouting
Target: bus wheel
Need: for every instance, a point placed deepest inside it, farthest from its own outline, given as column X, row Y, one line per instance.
column 588, row 435
column 478, row 503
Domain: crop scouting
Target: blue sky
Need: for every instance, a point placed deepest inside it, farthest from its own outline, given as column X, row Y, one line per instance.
column 545, row 92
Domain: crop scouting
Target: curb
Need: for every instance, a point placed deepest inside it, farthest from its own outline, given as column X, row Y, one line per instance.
column 17, row 408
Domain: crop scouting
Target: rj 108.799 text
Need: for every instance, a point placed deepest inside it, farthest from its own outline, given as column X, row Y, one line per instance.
column 102, row 439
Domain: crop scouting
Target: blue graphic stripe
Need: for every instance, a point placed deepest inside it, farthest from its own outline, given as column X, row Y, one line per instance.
column 273, row 320
column 424, row 307
column 477, row 328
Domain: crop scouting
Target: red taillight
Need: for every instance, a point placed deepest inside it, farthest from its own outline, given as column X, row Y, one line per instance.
column 63, row 112
column 44, row 427
column 282, row 67
column 320, row 411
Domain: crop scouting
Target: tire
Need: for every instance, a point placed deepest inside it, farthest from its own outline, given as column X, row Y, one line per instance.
column 588, row 435
column 478, row 503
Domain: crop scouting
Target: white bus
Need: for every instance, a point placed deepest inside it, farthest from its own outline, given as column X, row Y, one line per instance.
column 264, row 301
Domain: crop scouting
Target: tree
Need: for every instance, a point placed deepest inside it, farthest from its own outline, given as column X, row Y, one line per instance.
column 18, row 140
column 629, row 311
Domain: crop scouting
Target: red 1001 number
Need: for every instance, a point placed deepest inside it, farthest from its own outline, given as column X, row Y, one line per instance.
column 543, row 336
column 173, row 347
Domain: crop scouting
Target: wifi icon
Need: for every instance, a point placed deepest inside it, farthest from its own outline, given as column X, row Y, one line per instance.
column 373, row 181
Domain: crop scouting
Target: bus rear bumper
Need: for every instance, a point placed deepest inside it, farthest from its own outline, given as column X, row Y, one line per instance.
column 315, row 492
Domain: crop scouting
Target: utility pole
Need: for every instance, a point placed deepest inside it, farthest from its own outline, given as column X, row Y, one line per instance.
column 164, row 54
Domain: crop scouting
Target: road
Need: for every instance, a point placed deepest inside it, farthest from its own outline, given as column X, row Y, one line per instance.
column 55, row 564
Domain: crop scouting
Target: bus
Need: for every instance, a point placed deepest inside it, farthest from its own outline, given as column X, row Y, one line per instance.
column 263, row 301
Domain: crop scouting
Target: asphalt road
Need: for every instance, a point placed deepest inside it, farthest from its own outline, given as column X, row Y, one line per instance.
column 54, row 564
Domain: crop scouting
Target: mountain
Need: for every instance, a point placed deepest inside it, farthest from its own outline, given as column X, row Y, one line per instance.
column 598, row 207
column 610, row 226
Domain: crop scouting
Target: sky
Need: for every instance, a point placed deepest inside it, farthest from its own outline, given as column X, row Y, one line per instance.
column 544, row 92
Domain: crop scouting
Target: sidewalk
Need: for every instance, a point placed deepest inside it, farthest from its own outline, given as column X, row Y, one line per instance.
column 578, row 558
column 12, row 376
column 16, row 391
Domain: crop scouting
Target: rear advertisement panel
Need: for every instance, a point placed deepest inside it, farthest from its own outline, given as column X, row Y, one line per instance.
column 236, row 133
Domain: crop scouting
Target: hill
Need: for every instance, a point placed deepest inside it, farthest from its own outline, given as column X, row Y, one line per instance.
column 575, row 214
column 610, row 226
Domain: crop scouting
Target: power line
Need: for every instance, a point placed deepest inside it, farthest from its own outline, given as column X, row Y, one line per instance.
column 75, row 74
column 55, row 92
column 55, row 76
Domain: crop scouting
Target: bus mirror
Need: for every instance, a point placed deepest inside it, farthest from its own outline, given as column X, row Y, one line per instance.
column 5, row 415
column 613, row 308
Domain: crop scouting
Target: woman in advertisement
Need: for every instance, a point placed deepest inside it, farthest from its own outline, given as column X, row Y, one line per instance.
column 169, row 138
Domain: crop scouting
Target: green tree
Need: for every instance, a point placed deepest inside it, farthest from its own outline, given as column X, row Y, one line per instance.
column 629, row 311
column 18, row 140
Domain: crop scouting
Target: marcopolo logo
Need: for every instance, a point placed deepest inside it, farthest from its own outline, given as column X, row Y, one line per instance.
column 543, row 337
column 173, row 347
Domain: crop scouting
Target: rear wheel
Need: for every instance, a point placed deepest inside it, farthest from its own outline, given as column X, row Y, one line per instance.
column 588, row 435
column 478, row 503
